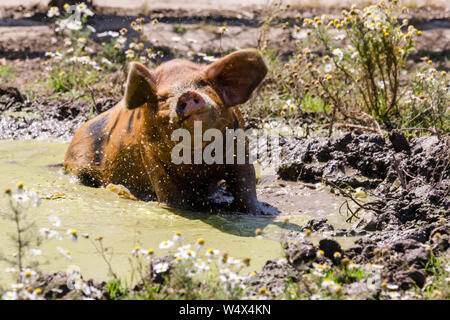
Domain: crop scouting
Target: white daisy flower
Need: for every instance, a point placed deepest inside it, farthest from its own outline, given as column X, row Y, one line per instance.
column 335, row 288
column 393, row 295
column 188, row 254
column 210, row 58
column 201, row 265
column 166, row 244
column 161, row 267
column 53, row 12
column 338, row 53
column 318, row 274
column 224, row 261
column 28, row 275
column 73, row 235
column 83, row 9
column 73, row 25
column 10, row 295
column 327, row 284
column 392, row 287
column 178, row 237
column 129, row 54
column 149, row 254
column 121, row 40
column 137, row 251
column 64, row 252
column 328, row 68
column 211, row 253
column 55, row 221
column 106, row 61
column 21, row 198
column 200, row 243
column 84, row 59
column 352, row 266
column 17, row 286
column 53, row 234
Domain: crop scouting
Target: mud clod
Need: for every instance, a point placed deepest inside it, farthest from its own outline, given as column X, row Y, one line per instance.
column 300, row 253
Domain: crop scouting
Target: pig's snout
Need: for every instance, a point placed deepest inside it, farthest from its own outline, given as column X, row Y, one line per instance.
column 190, row 103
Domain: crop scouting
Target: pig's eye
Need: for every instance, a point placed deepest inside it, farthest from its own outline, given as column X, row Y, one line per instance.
column 162, row 99
column 202, row 83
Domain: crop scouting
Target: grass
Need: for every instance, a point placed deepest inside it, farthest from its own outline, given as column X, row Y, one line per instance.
column 438, row 268
column 178, row 28
column 314, row 104
column 6, row 72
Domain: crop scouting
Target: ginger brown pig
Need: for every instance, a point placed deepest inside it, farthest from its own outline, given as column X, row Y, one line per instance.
column 131, row 144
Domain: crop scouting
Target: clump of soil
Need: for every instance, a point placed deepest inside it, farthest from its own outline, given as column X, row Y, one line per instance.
column 44, row 118
column 62, row 286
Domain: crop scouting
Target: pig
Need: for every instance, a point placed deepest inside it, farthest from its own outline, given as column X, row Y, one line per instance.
column 131, row 143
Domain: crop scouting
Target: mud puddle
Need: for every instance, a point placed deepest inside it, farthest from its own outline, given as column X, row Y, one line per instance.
column 125, row 224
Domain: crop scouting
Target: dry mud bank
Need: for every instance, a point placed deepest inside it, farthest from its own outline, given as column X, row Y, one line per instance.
column 408, row 220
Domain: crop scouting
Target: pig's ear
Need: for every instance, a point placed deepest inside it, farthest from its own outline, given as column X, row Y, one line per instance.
column 140, row 87
column 236, row 75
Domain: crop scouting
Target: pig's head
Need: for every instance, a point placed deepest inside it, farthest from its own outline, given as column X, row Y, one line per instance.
column 179, row 92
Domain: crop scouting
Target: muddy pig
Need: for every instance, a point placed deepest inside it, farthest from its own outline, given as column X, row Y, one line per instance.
column 131, row 144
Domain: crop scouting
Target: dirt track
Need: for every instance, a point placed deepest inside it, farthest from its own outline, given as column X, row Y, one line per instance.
column 26, row 33
column 237, row 8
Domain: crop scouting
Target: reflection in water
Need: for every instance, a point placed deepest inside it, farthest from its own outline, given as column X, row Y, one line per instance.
column 125, row 224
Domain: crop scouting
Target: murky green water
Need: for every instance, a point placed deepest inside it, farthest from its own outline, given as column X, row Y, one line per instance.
column 124, row 224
